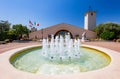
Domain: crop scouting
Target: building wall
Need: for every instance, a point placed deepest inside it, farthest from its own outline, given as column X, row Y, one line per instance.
column 90, row 20
column 86, row 22
column 33, row 29
column 54, row 29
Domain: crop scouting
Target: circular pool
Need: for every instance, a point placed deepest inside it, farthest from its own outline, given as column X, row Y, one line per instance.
column 31, row 60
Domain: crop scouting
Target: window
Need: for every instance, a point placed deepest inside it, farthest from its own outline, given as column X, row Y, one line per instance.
column 63, row 33
column 91, row 14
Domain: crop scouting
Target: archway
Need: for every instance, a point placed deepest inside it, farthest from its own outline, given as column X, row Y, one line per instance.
column 62, row 32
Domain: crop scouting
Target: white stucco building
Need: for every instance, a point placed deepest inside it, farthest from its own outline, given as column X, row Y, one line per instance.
column 90, row 20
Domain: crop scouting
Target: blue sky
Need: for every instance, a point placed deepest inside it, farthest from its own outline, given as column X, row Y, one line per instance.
column 51, row 12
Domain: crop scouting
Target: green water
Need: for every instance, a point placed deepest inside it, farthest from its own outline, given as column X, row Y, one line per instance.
column 32, row 61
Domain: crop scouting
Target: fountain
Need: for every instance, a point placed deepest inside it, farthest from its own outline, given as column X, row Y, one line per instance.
column 61, row 48
column 61, row 55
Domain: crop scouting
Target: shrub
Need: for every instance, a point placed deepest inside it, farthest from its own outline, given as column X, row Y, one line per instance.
column 107, row 35
column 108, row 31
column 118, row 40
column 7, row 40
column 2, row 42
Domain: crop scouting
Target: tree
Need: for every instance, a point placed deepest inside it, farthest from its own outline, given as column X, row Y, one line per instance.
column 103, row 30
column 11, row 34
column 4, row 27
column 107, row 35
column 20, row 30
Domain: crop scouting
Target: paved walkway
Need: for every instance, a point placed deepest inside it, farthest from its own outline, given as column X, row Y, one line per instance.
column 9, row 46
column 111, row 45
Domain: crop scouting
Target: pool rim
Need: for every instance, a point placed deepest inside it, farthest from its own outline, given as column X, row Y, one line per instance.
column 108, row 72
column 25, row 51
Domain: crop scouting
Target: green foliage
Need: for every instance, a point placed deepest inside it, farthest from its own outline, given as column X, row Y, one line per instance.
column 107, row 35
column 3, row 35
column 16, row 32
column 11, row 34
column 20, row 30
column 108, row 31
column 4, row 27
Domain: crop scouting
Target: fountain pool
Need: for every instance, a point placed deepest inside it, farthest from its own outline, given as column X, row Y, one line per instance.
column 60, row 56
column 31, row 61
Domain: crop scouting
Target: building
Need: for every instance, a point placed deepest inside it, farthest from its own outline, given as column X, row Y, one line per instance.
column 33, row 29
column 63, row 28
column 90, row 20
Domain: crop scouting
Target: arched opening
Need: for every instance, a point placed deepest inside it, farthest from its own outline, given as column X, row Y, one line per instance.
column 63, row 33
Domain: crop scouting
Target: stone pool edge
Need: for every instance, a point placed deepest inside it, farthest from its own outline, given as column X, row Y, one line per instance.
column 112, row 71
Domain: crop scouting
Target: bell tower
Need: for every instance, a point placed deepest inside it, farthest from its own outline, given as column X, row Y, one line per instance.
column 90, row 19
